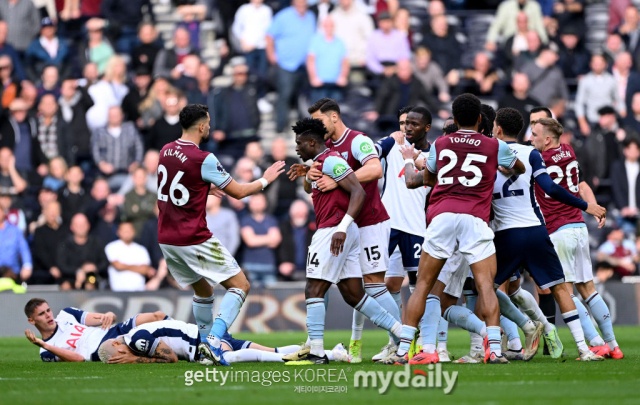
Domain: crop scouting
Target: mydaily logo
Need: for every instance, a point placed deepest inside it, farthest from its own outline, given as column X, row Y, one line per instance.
column 434, row 377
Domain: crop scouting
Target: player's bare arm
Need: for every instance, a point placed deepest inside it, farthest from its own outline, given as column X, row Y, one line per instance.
column 429, row 178
column 239, row 191
column 62, row 354
column 412, row 178
column 103, row 320
column 163, row 354
column 586, row 193
column 357, row 196
column 371, row 171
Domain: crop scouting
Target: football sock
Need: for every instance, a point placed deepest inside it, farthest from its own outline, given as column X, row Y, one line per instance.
column 527, row 303
column 229, row 309
column 515, row 344
column 203, row 312
column 429, row 324
column 357, row 324
column 408, row 332
column 379, row 292
column 381, row 318
column 252, row 356
column 512, row 313
column 443, row 333
column 476, row 342
column 470, row 299
column 600, row 311
column 572, row 319
column 288, row 349
column 510, row 329
column 326, row 299
column 493, row 337
column 465, row 319
column 315, row 324
column 397, row 297
column 548, row 307
column 590, row 332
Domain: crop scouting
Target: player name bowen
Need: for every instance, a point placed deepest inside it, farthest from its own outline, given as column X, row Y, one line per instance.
column 558, row 156
column 175, row 153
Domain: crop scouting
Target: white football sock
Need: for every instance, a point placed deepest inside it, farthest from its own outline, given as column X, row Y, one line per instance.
column 527, row 303
column 288, row 349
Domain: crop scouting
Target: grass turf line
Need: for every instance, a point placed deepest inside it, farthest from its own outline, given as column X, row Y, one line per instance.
column 24, row 379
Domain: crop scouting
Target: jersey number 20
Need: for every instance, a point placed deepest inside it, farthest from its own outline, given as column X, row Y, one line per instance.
column 466, row 167
column 573, row 187
column 175, row 186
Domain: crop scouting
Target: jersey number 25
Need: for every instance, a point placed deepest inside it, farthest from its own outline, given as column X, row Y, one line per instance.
column 466, row 167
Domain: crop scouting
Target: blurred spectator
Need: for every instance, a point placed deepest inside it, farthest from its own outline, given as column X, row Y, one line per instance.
column 632, row 120
column 117, row 148
column 204, row 93
column 106, row 227
column 99, row 198
column 223, row 224
column 600, row 150
column 574, row 57
column 616, row 13
column 53, row 141
column 139, row 203
column 402, row 24
column 18, row 131
column 628, row 81
column 57, row 172
column 80, row 254
column 151, row 107
column 444, row 45
column 10, row 85
column 129, row 261
column 46, row 242
column 625, row 187
column 479, row 80
column 604, row 272
column 327, row 64
column 282, row 192
column 150, row 164
column 137, row 93
column 149, row 240
column 108, row 92
column 236, row 113
column 612, row 47
column 254, row 151
column 144, row 54
column 90, row 75
column 321, row 10
column 629, row 30
column 534, row 46
column 124, row 17
column 386, row 45
column 74, row 103
column 261, row 236
column 168, row 62
column 430, row 74
column 505, row 25
column 167, row 128
column 250, row 27
column 11, row 182
column 14, row 216
column 620, row 252
column 297, row 232
column 518, row 42
column 570, row 14
column 185, row 78
column 288, row 40
column 14, row 251
column 545, row 78
column 97, row 48
column 520, row 100
column 596, row 90
column 23, row 22
column 10, row 51
column 354, row 27
column 48, row 82
column 72, row 197
column 46, row 50
column 34, row 210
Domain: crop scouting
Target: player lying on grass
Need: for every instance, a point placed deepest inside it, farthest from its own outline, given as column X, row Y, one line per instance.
column 75, row 335
column 170, row 341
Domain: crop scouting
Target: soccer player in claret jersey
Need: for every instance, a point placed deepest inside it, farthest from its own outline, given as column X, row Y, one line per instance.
column 462, row 169
column 568, row 232
column 334, row 254
column 194, row 256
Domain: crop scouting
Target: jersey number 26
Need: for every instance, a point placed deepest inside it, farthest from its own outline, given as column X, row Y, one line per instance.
column 175, row 186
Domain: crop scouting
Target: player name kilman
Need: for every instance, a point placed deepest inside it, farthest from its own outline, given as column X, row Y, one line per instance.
column 175, row 153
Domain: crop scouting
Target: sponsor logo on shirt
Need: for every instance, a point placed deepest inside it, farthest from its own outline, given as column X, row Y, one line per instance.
column 339, row 169
column 366, row 148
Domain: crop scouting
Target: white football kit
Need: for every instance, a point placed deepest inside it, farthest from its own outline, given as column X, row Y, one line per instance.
column 181, row 337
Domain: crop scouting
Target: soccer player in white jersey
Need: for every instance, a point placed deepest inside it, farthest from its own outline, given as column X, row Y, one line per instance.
column 75, row 335
column 171, row 341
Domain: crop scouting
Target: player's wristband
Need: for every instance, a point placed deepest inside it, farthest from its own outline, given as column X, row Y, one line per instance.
column 264, row 182
column 409, row 161
column 307, row 180
column 344, row 224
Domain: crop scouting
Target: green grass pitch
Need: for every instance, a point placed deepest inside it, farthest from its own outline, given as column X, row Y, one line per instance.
column 24, row 379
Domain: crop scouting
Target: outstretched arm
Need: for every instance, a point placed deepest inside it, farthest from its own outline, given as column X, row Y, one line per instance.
column 60, row 353
column 239, row 191
column 163, row 354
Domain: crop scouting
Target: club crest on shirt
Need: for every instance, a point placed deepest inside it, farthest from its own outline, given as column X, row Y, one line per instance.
column 141, row 345
column 339, row 169
column 345, row 155
column 221, row 169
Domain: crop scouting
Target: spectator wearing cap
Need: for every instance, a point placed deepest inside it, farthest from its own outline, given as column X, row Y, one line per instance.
column 74, row 102
column 144, row 54
column 10, row 84
column 223, row 223
column 10, row 51
column 236, row 113
column 354, row 27
column 11, row 182
column 48, row 49
column 97, row 49
column 125, row 16
column 137, row 92
column 546, row 79
column 600, row 150
column 442, row 42
column 117, row 148
column 288, row 39
column 505, row 22
column 23, row 22
column 625, row 185
column 520, row 100
column 168, row 62
column 167, row 128
column 296, row 231
column 108, row 92
column 250, row 27
column 19, row 132
column 573, row 56
column 327, row 63
column 46, row 243
column 620, row 252
column 14, row 250
column 596, row 90
column 386, row 44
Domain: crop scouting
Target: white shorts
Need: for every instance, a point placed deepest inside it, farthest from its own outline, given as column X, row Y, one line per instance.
column 454, row 273
column 471, row 235
column 374, row 248
column 209, row 260
column 396, row 268
column 572, row 247
column 321, row 264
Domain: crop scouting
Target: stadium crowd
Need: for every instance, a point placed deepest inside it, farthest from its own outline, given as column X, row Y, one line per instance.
column 90, row 93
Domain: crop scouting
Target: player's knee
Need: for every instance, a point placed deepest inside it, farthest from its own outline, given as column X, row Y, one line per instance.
column 352, row 299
